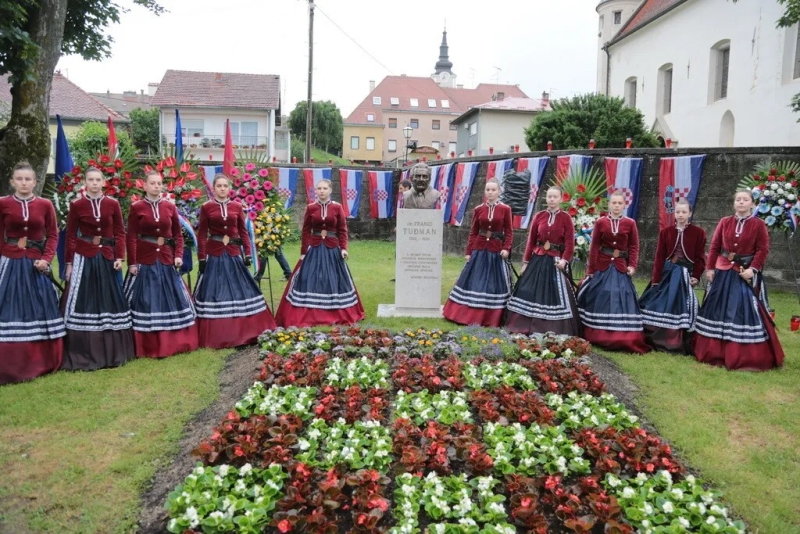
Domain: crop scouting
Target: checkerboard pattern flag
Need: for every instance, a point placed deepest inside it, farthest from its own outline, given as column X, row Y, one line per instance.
column 678, row 178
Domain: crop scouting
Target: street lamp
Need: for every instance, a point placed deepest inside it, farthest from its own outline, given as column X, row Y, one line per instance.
column 407, row 131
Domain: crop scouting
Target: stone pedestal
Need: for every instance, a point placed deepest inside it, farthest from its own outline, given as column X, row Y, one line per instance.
column 418, row 267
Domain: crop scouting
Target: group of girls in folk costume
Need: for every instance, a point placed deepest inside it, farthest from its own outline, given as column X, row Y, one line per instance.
column 321, row 290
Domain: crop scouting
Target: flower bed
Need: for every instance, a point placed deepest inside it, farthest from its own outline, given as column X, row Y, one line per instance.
column 362, row 430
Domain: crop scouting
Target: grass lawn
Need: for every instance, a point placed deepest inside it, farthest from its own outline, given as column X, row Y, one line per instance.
column 76, row 449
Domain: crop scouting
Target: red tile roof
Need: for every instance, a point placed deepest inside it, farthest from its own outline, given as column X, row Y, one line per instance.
column 218, row 90
column 404, row 88
column 649, row 11
column 69, row 101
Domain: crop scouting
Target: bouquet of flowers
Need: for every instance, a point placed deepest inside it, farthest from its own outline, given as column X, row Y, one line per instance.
column 183, row 185
column 775, row 190
column 585, row 200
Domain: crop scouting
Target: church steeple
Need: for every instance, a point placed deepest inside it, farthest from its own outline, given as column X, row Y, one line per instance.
column 444, row 64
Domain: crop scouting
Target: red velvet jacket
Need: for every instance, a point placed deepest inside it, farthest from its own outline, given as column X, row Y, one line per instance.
column 41, row 224
column 693, row 248
column 627, row 240
column 142, row 222
column 212, row 222
column 562, row 232
column 500, row 222
column 314, row 223
column 754, row 240
column 83, row 217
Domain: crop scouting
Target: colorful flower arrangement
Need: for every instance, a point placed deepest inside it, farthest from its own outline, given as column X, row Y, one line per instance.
column 776, row 193
column 183, row 185
column 585, row 200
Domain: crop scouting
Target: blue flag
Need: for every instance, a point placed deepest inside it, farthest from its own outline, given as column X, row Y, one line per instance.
column 63, row 165
column 178, row 138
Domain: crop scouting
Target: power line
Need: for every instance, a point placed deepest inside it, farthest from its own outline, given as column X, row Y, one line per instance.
column 354, row 41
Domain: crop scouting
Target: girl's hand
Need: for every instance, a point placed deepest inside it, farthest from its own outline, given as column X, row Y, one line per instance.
column 561, row 265
column 117, row 265
column 710, row 275
column 344, row 254
column 631, row 271
column 747, row 274
column 134, row 270
column 504, row 254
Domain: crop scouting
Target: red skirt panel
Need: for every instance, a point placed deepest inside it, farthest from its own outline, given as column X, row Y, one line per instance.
column 616, row 340
column 291, row 315
column 165, row 343
column 226, row 333
column 27, row 360
column 467, row 315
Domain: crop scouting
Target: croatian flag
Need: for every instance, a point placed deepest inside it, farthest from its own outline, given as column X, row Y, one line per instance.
column 567, row 165
column 536, row 166
column 497, row 169
column 380, row 194
column 624, row 175
column 678, row 178
column 442, row 180
column 287, row 185
column 208, row 172
column 794, row 217
column 312, row 177
column 351, row 191
column 465, row 176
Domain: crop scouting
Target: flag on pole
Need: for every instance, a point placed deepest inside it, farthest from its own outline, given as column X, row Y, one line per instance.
column 350, row 181
column 465, row 177
column 566, row 165
column 442, row 180
column 63, row 165
column 678, row 178
column 287, row 185
column 178, row 138
column 497, row 169
column 625, row 176
column 113, row 147
column 228, row 160
column 312, row 177
column 536, row 166
column 380, row 194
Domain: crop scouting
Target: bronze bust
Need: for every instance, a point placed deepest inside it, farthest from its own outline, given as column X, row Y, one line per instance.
column 421, row 196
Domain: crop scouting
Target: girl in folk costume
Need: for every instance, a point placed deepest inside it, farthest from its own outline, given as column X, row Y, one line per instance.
column 734, row 328
column 96, row 313
column 162, row 309
column 231, row 309
column 543, row 299
column 321, row 291
column 483, row 288
column 607, row 299
column 31, row 327
column 669, row 305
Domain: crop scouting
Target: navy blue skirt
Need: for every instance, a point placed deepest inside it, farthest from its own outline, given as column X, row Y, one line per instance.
column 158, row 299
column 227, row 289
column 608, row 301
column 94, row 299
column 672, row 303
column 28, row 303
column 730, row 311
column 322, row 281
column 484, row 282
column 542, row 291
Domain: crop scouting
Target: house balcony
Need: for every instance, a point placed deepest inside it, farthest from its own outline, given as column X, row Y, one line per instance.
column 201, row 142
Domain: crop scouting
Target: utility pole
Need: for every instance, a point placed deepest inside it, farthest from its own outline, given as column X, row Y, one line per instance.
column 310, row 75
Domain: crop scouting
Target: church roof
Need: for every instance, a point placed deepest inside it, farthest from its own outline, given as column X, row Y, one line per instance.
column 647, row 12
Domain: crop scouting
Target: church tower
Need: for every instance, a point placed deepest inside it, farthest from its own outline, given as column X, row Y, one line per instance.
column 614, row 14
column 444, row 75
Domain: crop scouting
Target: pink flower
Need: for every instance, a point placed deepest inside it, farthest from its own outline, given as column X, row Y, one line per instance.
column 250, row 167
column 246, row 176
column 249, row 199
column 264, row 172
column 252, row 215
column 234, row 172
column 255, row 184
column 237, row 182
column 260, row 195
column 259, row 206
column 243, row 192
column 232, row 193
column 268, row 186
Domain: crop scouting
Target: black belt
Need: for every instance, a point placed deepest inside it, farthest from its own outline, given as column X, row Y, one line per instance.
column 98, row 240
column 494, row 235
column 743, row 261
column 327, row 233
column 547, row 245
column 152, row 239
column 37, row 244
column 231, row 240
column 680, row 262
column 614, row 253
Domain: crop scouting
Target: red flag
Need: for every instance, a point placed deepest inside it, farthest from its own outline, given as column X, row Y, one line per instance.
column 112, row 140
column 227, row 159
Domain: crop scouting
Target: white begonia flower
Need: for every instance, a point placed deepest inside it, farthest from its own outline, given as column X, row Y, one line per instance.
column 667, row 507
column 223, row 470
column 677, row 493
column 628, row 493
column 648, row 509
column 303, row 444
column 613, row 481
column 172, row 524
column 199, row 470
column 645, row 523
column 216, row 514
column 245, row 470
column 711, row 520
column 439, row 528
column 684, row 522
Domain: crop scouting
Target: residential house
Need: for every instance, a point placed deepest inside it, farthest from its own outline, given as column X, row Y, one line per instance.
column 126, row 101
column 373, row 132
column 705, row 73
column 206, row 100
column 498, row 125
column 75, row 106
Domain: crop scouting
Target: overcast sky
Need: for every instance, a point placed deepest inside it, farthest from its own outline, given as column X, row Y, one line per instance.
column 539, row 45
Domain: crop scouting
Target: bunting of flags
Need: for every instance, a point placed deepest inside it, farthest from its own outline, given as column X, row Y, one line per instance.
column 497, row 169
column 442, row 180
column 350, row 181
column 287, row 185
column 380, row 194
column 462, row 187
column 678, row 178
column 794, row 217
column 537, row 167
column 312, row 177
column 624, row 175
column 566, row 165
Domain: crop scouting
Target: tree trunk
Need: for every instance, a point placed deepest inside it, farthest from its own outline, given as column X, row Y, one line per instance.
column 27, row 135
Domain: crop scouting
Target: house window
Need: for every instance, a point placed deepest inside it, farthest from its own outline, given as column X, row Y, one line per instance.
column 617, row 17
column 376, row 101
column 370, row 117
column 721, row 78
column 392, row 145
column 436, row 124
column 666, row 88
column 415, row 123
column 602, row 20
column 414, row 103
column 796, row 73
column 370, row 143
column 453, row 126
column 431, row 102
column 630, row 92
column 192, row 128
column 354, row 142
column 392, row 123
column 452, row 146
column 244, row 133
column 435, row 144
column 473, row 128
column 446, row 104
column 394, row 101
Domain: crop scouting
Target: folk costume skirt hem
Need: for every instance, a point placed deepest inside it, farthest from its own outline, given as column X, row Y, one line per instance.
column 233, row 332
column 91, row 350
column 669, row 310
column 481, row 291
column 164, row 343
column 23, row 361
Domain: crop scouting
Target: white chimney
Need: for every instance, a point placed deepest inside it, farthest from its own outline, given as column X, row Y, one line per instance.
column 151, row 88
column 371, row 85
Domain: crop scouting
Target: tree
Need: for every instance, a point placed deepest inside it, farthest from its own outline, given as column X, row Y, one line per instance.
column 33, row 35
column 573, row 122
column 327, row 125
column 144, row 129
column 91, row 138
